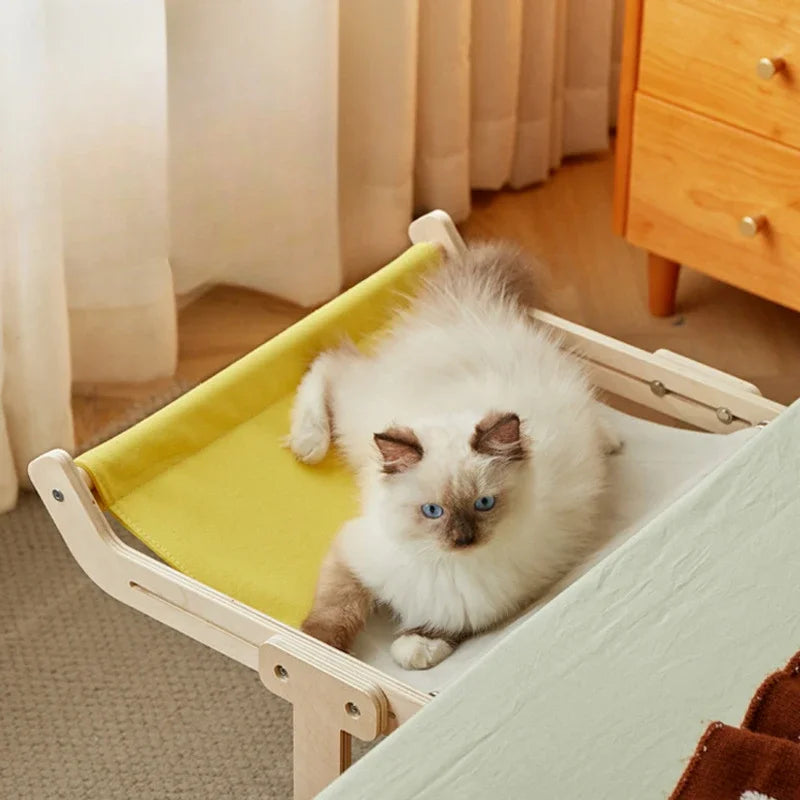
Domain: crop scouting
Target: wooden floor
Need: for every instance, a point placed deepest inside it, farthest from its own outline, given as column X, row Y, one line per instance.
column 596, row 279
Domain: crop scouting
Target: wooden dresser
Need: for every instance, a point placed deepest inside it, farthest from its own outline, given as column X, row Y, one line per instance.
column 708, row 147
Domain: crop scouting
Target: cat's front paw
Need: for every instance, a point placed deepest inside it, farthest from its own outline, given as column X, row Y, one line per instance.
column 414, row 651
column 310, row 436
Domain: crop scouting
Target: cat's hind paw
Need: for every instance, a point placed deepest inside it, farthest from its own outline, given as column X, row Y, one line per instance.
column 611, row 441
column 414, row 651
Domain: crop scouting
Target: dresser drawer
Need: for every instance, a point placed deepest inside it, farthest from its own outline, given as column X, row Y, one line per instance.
column 692, row 182
column 704, row 55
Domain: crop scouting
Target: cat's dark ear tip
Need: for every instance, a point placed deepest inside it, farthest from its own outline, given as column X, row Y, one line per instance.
column 399, row 448
column 500, row 434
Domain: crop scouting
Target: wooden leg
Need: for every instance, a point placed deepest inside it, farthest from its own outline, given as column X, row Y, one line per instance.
column 333, row 700
column 662, row 277
column 321, row 751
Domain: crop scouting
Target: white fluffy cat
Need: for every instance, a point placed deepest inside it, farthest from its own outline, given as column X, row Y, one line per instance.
column 481, row 456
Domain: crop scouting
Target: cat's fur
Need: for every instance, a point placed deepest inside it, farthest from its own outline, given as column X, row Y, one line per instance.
column 464, row 397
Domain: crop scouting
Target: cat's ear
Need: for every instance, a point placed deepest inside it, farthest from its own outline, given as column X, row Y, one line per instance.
column 500, row 435
column 400, row 449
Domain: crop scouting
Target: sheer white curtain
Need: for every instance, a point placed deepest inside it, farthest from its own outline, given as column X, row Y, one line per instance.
column 86, row 284
column 253, row 102
column 34, row 349
column 151, row 147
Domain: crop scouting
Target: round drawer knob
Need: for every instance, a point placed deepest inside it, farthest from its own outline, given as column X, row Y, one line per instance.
column 767, row 67
column 750, row 226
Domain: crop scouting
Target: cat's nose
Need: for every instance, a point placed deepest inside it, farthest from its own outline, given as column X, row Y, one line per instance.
column 464, row 538
column 462, row 530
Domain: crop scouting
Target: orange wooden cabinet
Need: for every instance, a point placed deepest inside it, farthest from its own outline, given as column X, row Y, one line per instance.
column 708, row 143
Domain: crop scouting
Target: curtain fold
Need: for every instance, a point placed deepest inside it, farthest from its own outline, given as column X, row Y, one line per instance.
column 441, row 164
column 34, row 336
column 587, row 75
column 377, row 106
column 253, row 115
column 496, row 54
column 108, row 97
column 618, row 31
column 153, row 147
column 537, row 105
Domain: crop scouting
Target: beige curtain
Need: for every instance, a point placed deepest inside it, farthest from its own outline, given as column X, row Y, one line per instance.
column 507, row 88
column 153, row 147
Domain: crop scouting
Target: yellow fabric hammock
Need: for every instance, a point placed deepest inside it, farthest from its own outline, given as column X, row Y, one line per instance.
column 205, row 482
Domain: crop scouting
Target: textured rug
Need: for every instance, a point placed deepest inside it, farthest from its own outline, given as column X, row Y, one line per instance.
column 98, row 701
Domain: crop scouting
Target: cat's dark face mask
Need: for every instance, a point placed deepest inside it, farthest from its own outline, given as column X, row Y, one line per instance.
column 455, row 500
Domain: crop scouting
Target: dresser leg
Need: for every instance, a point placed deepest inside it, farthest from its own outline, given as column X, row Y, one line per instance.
column 662, row 276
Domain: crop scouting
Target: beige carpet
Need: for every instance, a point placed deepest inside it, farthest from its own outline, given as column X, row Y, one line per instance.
column 98, row 701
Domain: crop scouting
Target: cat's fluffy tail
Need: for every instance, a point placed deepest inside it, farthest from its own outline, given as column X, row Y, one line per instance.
column 496, row 271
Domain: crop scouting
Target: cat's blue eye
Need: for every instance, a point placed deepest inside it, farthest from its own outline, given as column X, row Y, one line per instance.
column 485, row 503
column 432, row 511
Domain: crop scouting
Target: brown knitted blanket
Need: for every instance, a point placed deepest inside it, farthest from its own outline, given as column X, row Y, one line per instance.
column 760, row 760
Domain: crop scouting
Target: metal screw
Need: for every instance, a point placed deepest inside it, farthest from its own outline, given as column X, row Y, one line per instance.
column 281, row 673
column 353, row 710
column 58, row 495
column 658, row 388
column 724, row 415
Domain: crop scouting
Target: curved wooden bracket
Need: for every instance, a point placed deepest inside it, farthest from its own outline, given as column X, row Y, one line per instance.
column 331, row 702
column 438, row 228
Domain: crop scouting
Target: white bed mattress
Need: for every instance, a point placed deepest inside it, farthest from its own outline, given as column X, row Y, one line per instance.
column 605, row 692
column 657, row 465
